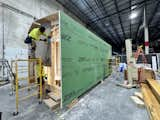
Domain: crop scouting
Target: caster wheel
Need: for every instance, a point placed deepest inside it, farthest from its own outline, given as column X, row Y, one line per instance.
column 40, row 102
column 15, row 113
column 10, row 94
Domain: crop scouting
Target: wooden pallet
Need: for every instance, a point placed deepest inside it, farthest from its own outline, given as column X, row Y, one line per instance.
column 54, row 96
column 139, row 95
column 3, row 82
column 137, row 101
column 51, row 103
column 126, row 86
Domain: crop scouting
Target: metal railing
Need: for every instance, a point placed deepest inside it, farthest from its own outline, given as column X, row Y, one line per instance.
column 17, row 69
column 5, row 68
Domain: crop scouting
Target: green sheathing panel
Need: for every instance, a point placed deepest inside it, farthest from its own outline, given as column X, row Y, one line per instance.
column 84, row 58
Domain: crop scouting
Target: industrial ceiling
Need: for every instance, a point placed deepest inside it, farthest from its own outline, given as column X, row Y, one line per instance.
column 117, row 20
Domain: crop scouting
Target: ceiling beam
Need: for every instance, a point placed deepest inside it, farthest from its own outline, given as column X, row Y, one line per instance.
column 120, row 20
column 153, row 35
column 79, row 10
column 86, row 3
column 126, row 8
column 71, row 11
column 154, row 13
column 79, row 17
column 100, row 4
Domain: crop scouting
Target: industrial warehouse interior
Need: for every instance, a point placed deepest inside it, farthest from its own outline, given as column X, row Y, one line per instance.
column 79, row 59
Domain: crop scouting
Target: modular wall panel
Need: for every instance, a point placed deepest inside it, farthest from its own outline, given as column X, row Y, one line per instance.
column 84, row 58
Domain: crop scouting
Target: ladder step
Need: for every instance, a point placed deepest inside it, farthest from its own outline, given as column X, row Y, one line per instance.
column 55, row 97
column 51, row 103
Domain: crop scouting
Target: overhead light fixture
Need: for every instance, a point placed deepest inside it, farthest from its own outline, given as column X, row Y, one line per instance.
column 106, row 24
column 141, row 27
column 158, row 13
column 133, row 7
column 133, row 15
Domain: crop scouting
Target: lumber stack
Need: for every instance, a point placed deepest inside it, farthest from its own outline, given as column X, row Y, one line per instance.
column 155, row 86
column 137, row 101
column 151, row 95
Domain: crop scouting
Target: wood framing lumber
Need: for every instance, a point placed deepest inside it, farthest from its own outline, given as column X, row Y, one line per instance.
column 54, row 96
column 126, row 86
column 74, row 102
column 151, row 103
column 139, row 95
column 51, row 103
column 137, row 101
column 155, row 86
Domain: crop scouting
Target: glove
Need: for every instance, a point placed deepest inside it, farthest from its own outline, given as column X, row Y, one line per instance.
column 45, row 40
column 49, row 37
column 34, row 48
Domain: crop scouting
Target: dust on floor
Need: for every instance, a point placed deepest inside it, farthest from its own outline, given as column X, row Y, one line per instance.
column 104, row 102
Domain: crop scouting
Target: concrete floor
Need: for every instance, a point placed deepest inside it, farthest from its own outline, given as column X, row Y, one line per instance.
column 105, row 102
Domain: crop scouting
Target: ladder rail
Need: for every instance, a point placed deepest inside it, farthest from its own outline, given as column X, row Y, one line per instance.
column 9, row 70
column 6, row 66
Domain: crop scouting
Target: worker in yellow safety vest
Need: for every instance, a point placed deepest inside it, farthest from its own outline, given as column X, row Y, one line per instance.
column 34, row 35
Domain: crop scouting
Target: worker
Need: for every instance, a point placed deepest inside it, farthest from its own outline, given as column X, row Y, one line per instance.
column 138, row 52
column 34, row 35
column 141, row 46
column 40, row 76
column 122, row 67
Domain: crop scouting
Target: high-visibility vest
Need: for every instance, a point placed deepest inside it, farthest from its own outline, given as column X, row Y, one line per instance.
column 40, row 71
column 36, row 33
